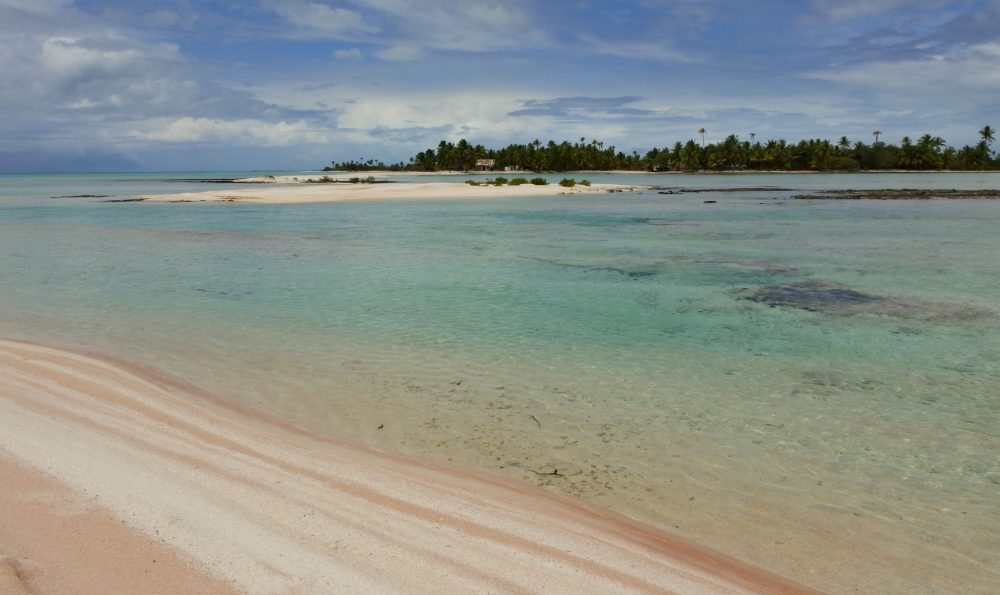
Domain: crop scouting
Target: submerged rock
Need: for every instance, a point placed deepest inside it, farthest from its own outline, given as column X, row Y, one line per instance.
column 835, row 299
column 903, row 194
column 809, row 295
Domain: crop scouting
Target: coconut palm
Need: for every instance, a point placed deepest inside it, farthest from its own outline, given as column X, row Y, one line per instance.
column 701, row 131
column 877, row 134
column 987, row 134
column 907, row 158
column 928, row 151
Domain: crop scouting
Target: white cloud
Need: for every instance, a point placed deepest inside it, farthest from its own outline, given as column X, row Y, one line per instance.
column 632, row 50
column 46, row 7
column 988, row 49
column 321, row 20
column 470, row 26
column 975, row 69
column 849, row 10
column 427, row 110
column 401, row 53
column 71, row 58
column 411, row 26
column 234, row 132
column 348, row 54
column 84, row 86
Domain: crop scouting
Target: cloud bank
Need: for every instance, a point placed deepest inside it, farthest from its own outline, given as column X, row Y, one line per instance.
column 295, row 83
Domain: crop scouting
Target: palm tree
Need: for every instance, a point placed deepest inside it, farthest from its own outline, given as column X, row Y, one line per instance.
column 929, row 151
column 701, row 131
column 907, row 155
column 753, row 135
column 877, row 134
column 987, row 134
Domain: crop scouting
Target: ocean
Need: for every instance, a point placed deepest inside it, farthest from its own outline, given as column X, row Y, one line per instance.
column 812, row 386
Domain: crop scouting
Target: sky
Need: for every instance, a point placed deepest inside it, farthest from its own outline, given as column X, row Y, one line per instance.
column 144, row 85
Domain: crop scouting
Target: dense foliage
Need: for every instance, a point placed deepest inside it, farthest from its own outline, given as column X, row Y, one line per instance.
column 927, row 153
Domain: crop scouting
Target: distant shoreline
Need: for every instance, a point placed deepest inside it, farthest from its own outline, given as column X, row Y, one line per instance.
column 700, row 172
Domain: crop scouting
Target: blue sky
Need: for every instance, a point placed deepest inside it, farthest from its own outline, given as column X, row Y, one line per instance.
column 186, row 84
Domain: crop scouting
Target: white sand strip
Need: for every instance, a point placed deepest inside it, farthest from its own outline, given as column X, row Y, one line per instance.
column 268, row 508
column 332, row 192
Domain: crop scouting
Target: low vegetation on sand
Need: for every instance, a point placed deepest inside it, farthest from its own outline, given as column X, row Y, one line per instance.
column 329, row 180
column 502, row 181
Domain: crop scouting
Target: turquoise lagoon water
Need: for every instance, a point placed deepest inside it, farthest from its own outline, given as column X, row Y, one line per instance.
column 599, row 345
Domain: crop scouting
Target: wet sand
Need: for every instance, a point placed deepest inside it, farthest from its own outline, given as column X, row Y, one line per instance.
column 118, row 475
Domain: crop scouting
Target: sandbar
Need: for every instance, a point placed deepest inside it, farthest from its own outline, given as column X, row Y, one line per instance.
column 334, row 192
column 116, row 474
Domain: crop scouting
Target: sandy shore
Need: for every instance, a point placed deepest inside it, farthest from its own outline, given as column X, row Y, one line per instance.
column 315, row 176
column 305, row 193
column 116, row 476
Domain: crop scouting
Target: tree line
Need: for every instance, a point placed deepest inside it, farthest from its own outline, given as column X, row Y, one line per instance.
column 732, row 154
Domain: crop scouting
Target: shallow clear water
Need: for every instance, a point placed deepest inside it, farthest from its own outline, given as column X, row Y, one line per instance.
column 601, row 345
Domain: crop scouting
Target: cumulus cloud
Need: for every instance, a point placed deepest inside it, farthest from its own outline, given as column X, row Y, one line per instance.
column 659, row 50
column 479, row 110
column 401, row 53
column 407, row 28
column 66, row 60
column 76, row 86
column 954, row 72
column 234, row 132
column 348, row 54
column 471, row 25
column 36, row 6
column 318, row 19
column 847, row 10
column 388, row 76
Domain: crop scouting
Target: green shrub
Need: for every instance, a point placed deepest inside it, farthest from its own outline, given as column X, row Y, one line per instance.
column 500, row 181
column 518, row 181
column 585, row 182
column 473, row 183
column 539, row 181
column 567, row 182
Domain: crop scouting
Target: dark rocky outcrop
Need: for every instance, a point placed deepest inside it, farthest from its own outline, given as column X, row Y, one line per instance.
column 902, row 194
column 831, row 298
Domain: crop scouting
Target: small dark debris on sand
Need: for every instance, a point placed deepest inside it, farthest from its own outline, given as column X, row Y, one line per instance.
column 902, row 194
column 125, row 200
column 216, row 181
column 355, row 180
column 83, row 196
